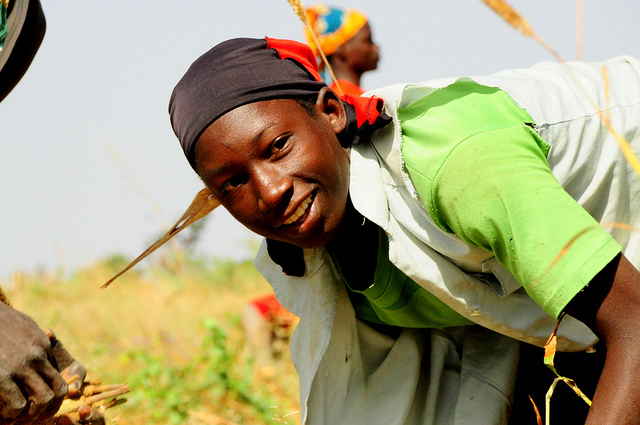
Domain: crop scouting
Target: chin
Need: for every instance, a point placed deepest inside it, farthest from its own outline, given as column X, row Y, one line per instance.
column 315, row 242
column 312, row 241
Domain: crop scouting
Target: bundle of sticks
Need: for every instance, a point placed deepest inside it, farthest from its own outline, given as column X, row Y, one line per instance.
column 89, row 405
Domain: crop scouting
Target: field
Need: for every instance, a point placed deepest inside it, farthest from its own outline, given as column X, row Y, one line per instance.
column 170, row 330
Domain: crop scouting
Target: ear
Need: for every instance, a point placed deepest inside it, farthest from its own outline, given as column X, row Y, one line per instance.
column 341, row 53
column 330, row 107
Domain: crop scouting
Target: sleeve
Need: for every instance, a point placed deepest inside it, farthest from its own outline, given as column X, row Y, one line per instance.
column 495, row 190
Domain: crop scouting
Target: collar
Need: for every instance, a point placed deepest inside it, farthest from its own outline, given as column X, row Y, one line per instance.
column 364, row 116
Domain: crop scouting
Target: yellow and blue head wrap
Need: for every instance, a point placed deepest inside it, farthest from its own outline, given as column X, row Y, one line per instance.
column 332, row 27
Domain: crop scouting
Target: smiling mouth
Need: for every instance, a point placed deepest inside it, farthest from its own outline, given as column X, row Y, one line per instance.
column 302, row 209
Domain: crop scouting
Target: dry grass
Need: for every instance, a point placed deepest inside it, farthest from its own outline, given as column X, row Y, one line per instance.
column 510, row 15
column 175, row 339
column 513, row 18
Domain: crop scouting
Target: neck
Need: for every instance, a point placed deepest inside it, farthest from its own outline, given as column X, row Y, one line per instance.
column 356, row 248
column 344, row 72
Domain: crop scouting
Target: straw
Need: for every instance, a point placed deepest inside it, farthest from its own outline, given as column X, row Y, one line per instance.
column 516, row 20
column 298, row 8
column 203, row 204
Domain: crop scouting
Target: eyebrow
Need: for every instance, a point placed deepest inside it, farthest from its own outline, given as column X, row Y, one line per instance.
column 258, row 136
column 254, row 140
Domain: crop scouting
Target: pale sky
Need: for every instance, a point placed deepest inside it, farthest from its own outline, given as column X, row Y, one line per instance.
column 100, row 84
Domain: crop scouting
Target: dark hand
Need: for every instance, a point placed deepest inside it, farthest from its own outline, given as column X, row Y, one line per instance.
column 30, row 385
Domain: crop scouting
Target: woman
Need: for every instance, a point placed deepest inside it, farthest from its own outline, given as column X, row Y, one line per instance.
column 346, row 39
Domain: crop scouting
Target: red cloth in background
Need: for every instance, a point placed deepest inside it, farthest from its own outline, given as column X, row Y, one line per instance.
column 347, row 88
column 270, row 309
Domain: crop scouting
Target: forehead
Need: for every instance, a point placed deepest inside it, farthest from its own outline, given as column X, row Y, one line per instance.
column 253, row 117
column 242, row 129
column 363, row 33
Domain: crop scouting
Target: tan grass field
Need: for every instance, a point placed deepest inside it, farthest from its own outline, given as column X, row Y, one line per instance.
column 173, row 336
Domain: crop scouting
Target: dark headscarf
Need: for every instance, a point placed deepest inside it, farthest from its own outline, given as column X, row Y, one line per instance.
column 243, row 70
column 235, row 73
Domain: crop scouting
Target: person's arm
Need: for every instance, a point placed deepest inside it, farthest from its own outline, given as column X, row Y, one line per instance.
column 610, row 306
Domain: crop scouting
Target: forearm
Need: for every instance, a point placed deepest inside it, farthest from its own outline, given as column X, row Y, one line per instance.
column 611, row 307
column 617, row 399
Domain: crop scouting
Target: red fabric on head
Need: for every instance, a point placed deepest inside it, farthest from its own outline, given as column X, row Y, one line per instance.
column 368, row 109
column 299, row 52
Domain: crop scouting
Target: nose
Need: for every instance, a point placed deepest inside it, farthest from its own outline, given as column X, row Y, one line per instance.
column 274, row 188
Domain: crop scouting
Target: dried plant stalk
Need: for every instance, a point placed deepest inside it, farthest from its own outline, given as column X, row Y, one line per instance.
column 516, row 20
column 3, row 298
column 579, row 28
column 551, row 344
column 549, row 394
column 98, row 397
column 510, row 15
column 623, row 144
column 549, row 354
column 535, row 408
column 103, row 397
column 203, row 204
column 563, row 252
column 298, row 8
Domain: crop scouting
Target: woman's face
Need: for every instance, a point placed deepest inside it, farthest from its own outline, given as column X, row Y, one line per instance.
column 361, row 52
column 279, row 170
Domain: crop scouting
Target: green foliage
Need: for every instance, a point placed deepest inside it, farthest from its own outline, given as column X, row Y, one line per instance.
column 222, row 371
column 169, row 390
column 157, row 386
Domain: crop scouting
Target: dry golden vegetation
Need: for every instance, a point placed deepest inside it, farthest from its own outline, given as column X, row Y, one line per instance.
column 173, row 336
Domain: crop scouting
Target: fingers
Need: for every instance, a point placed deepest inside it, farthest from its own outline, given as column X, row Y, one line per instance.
column 57, row 386
column 13, row 401
column 41, row 391
column 74, row 370
column 44, row 399
column 61, row 355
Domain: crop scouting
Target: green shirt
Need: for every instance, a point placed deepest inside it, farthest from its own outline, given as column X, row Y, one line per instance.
column 481, row 171
column 394, row 299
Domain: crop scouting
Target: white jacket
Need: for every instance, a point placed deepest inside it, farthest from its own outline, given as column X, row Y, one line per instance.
column 352, row 374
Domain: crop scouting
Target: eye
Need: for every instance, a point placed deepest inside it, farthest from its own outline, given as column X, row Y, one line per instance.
column 233, row 183
column 279, row 146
